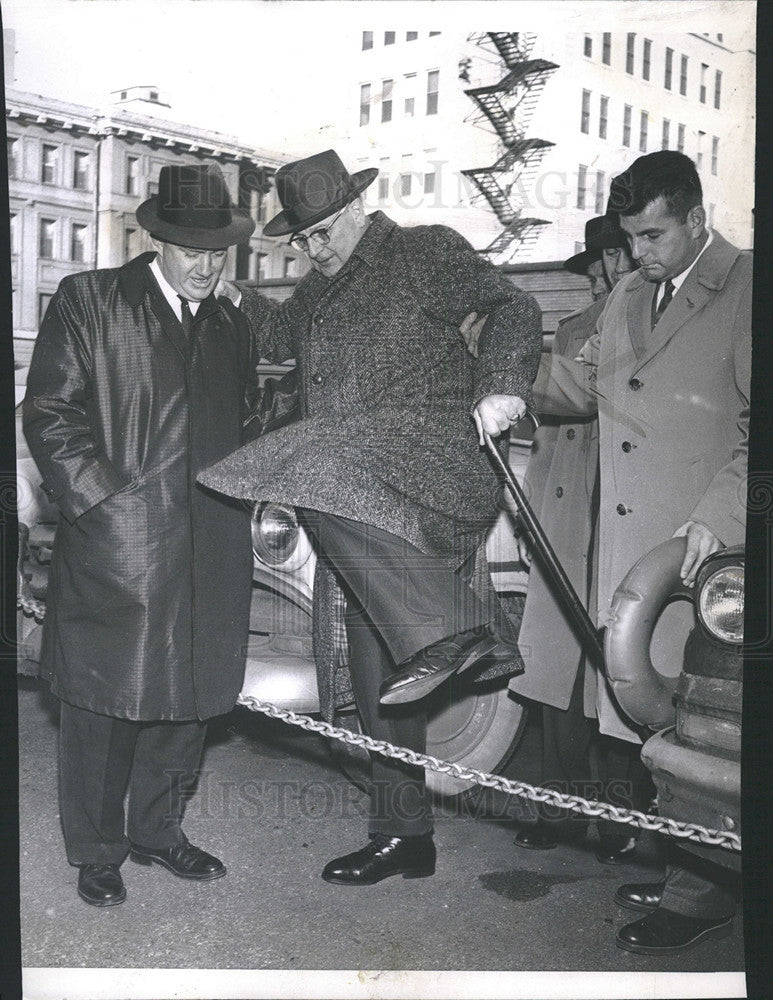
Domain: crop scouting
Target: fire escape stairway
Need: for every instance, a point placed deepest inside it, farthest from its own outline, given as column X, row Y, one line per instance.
column 522, row 231
column 512, row 46
column 489, row 187
column 529, row 75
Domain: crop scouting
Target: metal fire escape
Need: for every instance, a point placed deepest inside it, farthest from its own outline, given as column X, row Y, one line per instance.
column 508, row 106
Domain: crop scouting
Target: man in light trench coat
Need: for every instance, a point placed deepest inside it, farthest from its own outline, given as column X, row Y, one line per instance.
column 140, row 377
column 668, row 374
column 384, row 464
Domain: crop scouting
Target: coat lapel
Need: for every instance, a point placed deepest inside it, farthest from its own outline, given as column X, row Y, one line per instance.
column 639, row 313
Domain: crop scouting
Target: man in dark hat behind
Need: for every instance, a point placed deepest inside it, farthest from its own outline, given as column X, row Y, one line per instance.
column 139, row 378
column 385, row 466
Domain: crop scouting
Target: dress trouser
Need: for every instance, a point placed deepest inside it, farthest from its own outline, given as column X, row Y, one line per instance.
column 399, row 601
column 699, row 889
column 566, row 740
column 99, row 757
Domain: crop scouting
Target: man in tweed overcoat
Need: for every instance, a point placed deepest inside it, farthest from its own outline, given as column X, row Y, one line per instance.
column 140, row 378
column 385, row 466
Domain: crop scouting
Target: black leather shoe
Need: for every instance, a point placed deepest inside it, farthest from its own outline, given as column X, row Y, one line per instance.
column 615, row 849
column 663, row 932
column 536, row 838
column 101, row 885
column 424, row 671
column 183, row 860
column 644, row 896
column 411, row 857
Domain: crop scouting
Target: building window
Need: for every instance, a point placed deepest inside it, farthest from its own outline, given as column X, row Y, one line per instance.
column 717, row 88
column 680, row 139
column 367, row 40
column 411, row 36
column 667, row 82
column 387, row 87
column 702, row 92
column 13, row 222
column 43, row 302
column 383, row 179
column 13, row 148
column 711, row 215
column 699, row 152
column 430, row 183
column 585, row 114
column 243, row 254
column 132, row 175
column 683, row 77
column 131, row 243
column 646, row 59
column 643, row 127
column 666, row 134
column 364, row 103
column 290, row 267
column 78, row 243
column 409, row 106
column 80, row 171
column 714, row 155
column 433, row 82
column 123, row 95
column 606, row 48
column 48, row 164
column 603, row 116
column 582, row 185
column 599, row 192
column 47, row 236
column 587, row 46
column 262, row 259
column 433, row 33
column 405, row 185
column 629, row 52
column 389, row 38
column 627, row 125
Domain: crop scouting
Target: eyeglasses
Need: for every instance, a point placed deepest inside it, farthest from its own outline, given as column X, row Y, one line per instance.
column 322, row 236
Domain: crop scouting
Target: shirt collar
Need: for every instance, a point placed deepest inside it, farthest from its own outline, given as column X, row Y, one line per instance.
column 171, row 296
column 678, row 281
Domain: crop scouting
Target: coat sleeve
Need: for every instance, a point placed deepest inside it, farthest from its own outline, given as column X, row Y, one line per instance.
column 451, row 280
column 277, row 326
column 722, row 508
column 77, row 474
column 565, row 387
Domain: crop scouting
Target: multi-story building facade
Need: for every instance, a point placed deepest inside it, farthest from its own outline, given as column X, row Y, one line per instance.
column 505, row 133
column 77, row 175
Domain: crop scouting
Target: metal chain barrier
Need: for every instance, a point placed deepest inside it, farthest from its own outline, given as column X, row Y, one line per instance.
column 575, row 803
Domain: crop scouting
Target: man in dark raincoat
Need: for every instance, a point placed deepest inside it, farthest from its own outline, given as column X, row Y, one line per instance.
column 385, row 466
column 138, row 380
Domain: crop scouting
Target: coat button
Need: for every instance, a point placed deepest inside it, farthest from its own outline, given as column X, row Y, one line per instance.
column 317, row 378
column 559, row 491
column 570, row 434
column 626, row 446
column 635, row 384
column 622, row 510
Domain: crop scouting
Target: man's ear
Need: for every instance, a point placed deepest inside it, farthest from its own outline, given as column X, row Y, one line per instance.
column 696, row 218
column 357, row 208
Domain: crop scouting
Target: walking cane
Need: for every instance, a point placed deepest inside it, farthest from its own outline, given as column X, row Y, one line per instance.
column 588, row 632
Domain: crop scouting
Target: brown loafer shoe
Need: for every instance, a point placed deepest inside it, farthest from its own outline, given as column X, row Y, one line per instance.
column 421, row 673
column 411, row 857
column 183, row 860
column 643, row 896
column 663, row 932
column 101, row 885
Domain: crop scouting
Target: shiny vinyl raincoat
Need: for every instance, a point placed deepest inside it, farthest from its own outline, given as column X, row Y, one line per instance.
column 148, row 600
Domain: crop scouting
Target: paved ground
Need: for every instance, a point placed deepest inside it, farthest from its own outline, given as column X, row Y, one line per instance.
column 275, row 808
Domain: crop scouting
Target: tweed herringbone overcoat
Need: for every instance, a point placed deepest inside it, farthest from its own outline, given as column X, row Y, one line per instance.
column 148, row 600
column 673, row 409
column 387, row 386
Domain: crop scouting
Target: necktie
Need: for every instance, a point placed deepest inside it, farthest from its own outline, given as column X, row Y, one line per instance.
column 187, row 315
column 668, row 294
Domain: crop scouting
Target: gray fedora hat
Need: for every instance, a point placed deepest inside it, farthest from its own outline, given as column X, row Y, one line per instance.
column 314, row 188
column 193, row 209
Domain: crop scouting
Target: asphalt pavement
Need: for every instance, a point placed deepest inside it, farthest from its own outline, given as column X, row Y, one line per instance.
column 275, row 807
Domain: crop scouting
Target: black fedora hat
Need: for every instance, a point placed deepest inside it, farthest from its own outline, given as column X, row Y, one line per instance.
column 600, row 232
column 193, row 209
column 314, row 188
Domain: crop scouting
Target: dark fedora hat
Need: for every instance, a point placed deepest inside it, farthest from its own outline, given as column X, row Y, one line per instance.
column 193, row 209
column 312, row 189
column 600, row 232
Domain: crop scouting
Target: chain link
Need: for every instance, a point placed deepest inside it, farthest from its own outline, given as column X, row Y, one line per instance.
column 575, row 803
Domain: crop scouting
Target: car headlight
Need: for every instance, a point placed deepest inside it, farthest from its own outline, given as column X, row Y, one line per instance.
column 721, row 600
column 275, row 533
